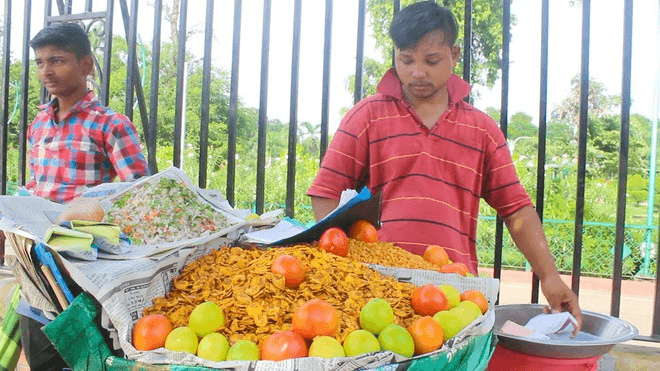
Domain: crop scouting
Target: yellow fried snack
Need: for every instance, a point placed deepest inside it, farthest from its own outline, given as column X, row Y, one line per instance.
column 387, row 254
column 256, row 301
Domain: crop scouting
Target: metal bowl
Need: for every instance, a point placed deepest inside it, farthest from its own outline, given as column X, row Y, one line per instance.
column 598, row 334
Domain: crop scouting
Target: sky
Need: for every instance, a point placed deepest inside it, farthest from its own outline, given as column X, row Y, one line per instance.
column 524, row 90
column 564, row 54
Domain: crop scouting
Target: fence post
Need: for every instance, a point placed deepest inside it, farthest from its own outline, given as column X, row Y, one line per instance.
column 654, row 144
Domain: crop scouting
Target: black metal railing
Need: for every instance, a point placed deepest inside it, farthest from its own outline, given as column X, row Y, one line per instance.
column 148, row 111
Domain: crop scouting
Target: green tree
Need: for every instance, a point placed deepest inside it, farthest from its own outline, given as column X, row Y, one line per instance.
column 494, row 113
column 309, row 136
column 15, row 112
column 599, row 104
column 520, row 125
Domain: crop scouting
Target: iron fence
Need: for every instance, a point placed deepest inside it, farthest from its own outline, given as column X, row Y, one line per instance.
column 639, row 256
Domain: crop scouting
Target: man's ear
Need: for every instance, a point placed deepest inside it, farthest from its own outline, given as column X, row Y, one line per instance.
column 87, row 64
column 455, row 54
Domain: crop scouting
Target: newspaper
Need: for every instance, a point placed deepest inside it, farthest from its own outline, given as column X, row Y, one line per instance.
column 34, row 215
column 25, row 272
column 139, row 275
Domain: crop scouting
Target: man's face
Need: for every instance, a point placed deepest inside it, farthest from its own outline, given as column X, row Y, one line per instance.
column 425, row 67
column 61, row 72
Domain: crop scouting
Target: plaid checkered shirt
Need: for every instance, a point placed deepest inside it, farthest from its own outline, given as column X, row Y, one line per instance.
column 91, row 145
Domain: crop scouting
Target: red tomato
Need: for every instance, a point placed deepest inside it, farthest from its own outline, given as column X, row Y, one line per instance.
column 428, row 300
column 291, row 268
column 428, row 335
column 283, row 345
column 477, row 297
column 436, row 255
column 334, row 240
column 315, row 317
column 363, row 231
column 151, row 331
column 458, row 268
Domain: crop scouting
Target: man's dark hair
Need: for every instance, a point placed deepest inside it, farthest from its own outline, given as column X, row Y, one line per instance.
column 411, row 23
column 68, row 36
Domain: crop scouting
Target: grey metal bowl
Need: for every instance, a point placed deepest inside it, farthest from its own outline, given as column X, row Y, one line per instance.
column 599, row 333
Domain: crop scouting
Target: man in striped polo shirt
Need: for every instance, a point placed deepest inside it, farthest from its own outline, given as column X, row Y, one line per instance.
column 433, row 156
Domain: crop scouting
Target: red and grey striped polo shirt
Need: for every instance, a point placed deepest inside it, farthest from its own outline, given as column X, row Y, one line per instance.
column 431, row 179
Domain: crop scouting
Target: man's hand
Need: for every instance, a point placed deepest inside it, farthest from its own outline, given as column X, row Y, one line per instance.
column 561, row 298
column 323, row 206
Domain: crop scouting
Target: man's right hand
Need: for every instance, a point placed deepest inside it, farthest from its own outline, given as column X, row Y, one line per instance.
column 323, row 206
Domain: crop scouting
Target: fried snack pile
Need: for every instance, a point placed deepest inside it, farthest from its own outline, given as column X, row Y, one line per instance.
column 387, row 254
column 256, row 302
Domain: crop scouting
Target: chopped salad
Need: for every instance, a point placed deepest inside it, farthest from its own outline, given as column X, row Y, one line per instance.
column 164, row 211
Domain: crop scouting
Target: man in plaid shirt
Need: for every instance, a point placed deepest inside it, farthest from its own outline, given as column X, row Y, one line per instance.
column 75, row 142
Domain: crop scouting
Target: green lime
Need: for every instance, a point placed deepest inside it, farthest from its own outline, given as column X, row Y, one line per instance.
column 243, row 350
column 398, row 340
column 452, row 294
column 471, row 307
column 451, row 323
column 206, row 318
column 360, row 342
column 326, row 347
column 213, row 346
column 376, row 315
column 182, row 339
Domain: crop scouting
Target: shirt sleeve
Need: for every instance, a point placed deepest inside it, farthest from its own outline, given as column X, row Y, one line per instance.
column 501, row 187
column 345, row 164
column 122, row 144
column 31, row 183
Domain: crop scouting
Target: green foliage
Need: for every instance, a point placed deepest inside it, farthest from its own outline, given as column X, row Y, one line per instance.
column 521, row 125
column 601, row 186
column 15, row 113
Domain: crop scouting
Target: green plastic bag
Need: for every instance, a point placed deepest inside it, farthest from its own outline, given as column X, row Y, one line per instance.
column 474, row 356
column 77, row 338
column 10, row 334
column 471, row 356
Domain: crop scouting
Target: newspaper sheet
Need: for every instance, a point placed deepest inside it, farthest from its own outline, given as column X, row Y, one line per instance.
column 146, row 267
column 36, row 215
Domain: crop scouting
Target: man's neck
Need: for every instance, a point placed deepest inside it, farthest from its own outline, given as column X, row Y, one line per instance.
column 439, row 101
column 430, row 109
column 64, row 104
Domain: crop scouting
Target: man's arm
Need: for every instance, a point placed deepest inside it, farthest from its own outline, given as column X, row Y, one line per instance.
column 323, row 206
column 527, row 232
column 124, row 150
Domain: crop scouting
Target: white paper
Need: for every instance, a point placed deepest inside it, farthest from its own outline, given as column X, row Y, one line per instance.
column 346, row 195
column 556, row 323
column 280, row 231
